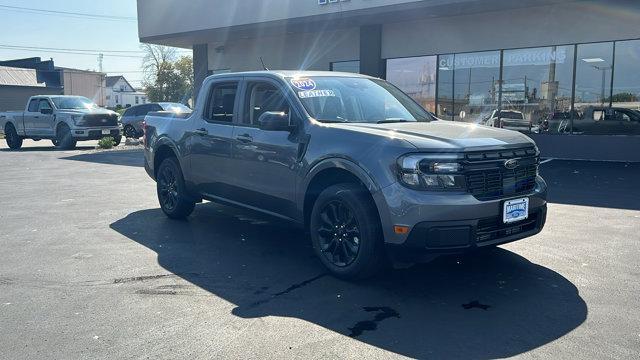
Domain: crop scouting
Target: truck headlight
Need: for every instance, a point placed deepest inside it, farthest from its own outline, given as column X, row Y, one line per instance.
column 438, row 172
column 77, row 119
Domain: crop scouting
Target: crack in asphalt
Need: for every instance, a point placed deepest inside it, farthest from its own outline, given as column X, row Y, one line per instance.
column 286, row 291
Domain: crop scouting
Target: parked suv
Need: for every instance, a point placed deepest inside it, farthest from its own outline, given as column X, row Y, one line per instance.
column 134, row 116
column 369, row 173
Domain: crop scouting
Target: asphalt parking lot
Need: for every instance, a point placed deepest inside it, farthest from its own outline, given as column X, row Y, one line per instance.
column 90, row 268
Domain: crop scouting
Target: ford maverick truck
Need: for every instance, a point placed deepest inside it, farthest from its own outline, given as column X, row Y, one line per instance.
column 371, row 175
column 64, row 120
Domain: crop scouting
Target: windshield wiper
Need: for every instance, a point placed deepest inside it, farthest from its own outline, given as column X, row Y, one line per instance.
column 333, row 121
column 390, row 121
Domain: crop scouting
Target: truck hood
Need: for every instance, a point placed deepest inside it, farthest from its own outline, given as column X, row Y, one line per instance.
column 445, row 135
column 98, row 111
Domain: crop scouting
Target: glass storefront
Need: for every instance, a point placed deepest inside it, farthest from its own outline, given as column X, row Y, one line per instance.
column 532, row 90
column 536, row 88
column 417, row 77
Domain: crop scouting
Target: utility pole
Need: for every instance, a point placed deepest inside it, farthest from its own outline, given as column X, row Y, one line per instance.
column 100, row 58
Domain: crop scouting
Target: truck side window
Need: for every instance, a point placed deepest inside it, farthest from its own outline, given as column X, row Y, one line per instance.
column 33, row 105
column 44, row 104
column 262, row 97
column 221, row 103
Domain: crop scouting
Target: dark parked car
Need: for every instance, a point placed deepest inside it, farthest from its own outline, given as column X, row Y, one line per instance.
column 134, row 116
column 608, row 121
column 369, row 172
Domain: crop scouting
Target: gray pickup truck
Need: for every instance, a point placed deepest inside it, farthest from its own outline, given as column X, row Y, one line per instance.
column 64, row 120
column 369, row 173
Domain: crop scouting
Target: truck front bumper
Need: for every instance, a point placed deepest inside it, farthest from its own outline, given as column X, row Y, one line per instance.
column 95, row 133
column 453, row 222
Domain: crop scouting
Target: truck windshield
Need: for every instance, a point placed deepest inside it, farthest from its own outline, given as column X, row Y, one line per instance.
column 75, row 102
column 352, row 99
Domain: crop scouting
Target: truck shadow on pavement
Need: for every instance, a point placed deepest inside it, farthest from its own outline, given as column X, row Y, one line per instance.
column 134, row 158
column 495, row 304
column 46, row 149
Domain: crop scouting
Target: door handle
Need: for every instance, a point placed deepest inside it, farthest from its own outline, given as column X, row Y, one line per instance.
column 36, row 117
column 201, row 132
column 245, row 138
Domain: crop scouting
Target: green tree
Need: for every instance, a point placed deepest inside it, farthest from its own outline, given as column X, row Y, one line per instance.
column 167, row 79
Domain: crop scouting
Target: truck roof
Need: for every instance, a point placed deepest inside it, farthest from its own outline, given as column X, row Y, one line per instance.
column 291, row 73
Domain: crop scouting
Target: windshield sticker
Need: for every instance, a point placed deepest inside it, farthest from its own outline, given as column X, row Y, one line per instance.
column 316, row 93
column 304, row 84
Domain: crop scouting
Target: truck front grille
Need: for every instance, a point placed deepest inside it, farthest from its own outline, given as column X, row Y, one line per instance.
column 99, row 120
column 487, row 177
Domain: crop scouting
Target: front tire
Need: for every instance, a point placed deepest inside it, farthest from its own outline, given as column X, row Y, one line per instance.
column 172, row 192
column 346, row 233
column 14, row 141
column 64, row 138
column 117, row 140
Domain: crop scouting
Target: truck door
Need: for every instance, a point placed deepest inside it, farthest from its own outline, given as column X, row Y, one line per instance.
column 32, row 111
column 264, row 166
column 43, row 120
column 209, row 140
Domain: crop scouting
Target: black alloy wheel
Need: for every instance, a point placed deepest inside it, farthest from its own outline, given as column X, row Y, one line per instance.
column 172, row 193
column 14, row 141
column 346, row 234
column 168, row 188
column 339, row 234
column 130, row 132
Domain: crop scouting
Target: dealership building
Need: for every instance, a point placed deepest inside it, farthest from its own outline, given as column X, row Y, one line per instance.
column 570, row 68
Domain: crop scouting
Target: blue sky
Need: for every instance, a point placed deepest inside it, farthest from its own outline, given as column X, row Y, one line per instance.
column 25, row 28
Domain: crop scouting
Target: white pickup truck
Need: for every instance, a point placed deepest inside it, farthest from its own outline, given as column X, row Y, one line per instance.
column 64, row 120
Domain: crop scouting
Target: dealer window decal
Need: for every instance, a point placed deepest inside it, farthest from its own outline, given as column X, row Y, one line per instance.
column 303, row 84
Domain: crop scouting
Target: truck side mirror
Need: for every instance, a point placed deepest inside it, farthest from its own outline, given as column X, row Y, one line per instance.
column 46, row 111
column 274, row 121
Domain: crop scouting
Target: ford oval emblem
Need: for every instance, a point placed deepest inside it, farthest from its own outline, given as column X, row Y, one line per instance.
column 104, row 120
column 511, row 164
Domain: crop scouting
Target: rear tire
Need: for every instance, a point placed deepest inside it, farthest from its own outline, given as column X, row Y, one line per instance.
column 117, row 140
column 172, row 192
column 346, row 233
column 64, row 139
column 130, row 132
column 14, row 141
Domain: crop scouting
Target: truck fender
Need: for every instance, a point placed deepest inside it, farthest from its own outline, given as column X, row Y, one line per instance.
column 337, row 163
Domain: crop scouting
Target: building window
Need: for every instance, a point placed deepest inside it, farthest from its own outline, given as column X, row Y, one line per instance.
column 625, row 97
column 346, row 66
column 469, row 85
column 137, row 100
column 594, row 67
column 416, row 76
column 536, row 89
column 117, row 99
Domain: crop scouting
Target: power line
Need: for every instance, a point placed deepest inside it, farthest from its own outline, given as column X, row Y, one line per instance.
column 20, row 47
column 68, row 13
column 72, row 52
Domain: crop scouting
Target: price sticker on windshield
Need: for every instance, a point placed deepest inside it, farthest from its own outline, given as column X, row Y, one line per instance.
column 316, row 93
column 303, row 84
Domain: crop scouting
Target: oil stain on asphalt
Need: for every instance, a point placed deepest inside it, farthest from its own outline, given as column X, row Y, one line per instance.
column 382, row 313
column 475, row 305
